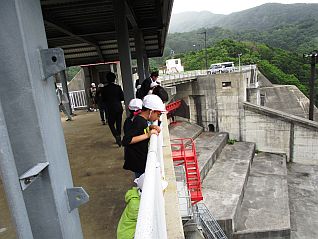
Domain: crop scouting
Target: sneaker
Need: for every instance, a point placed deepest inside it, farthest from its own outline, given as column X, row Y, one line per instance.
column 69, row 120
column 103, row 122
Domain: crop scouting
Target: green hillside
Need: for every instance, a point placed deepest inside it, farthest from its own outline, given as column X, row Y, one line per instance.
column 279, row 66
column 292, row 27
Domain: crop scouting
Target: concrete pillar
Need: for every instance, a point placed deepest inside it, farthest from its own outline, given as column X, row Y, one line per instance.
column 87, row 85
column 112, row 68
column 63, row 79
column 124, row 49
column 35, row 133
column 146, row 65
column 139, row 54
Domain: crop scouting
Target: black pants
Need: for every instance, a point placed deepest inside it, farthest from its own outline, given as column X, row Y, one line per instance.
column 103, row 112
column 115, row 118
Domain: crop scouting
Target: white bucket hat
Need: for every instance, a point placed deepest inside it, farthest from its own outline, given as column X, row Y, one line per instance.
column 135, row 104
column 153, row 102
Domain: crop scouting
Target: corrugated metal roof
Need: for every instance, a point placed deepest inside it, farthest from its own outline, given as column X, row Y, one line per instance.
column 85, row 29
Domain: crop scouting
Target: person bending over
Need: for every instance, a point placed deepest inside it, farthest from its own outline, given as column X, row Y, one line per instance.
column 136, row 139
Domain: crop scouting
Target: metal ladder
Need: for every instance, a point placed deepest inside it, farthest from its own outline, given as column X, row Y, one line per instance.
column 210, row 227
column 184, row 152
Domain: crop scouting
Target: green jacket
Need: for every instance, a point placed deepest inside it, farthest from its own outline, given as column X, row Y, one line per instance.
column 128, row 220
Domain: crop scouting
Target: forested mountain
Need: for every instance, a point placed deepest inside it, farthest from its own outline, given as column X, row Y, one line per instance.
column 292, row 27
column 189, row 21
column 279, row 66
column 264, row 17
column 269, row 16
column 273, row 36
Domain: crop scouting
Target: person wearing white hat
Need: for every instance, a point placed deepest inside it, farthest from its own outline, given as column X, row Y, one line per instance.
column 137, row 138
column 92, row 94
column 135, row 106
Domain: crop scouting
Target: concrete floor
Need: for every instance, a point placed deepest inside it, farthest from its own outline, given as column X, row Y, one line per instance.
column 96, row 164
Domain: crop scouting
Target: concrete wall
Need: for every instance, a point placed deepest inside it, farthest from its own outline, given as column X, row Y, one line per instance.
column 286, row 98
column 278, row 132
column 230, row 90
column 77, row 83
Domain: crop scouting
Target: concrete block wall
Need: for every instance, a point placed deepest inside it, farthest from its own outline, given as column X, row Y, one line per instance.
column 200, row 96
column 229, row 101
column 271, row 134
column 77, row 83
column 278, row 132
column 305, row 145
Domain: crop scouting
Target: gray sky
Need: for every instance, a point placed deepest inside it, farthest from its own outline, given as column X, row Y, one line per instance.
column 225, row 6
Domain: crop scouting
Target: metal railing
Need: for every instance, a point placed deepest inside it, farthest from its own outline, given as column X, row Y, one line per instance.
column 151, row 222
column 78, row 99
column 177, row 78
column 211, row 228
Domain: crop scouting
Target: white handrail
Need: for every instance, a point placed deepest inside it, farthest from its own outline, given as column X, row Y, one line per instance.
column 151, row 223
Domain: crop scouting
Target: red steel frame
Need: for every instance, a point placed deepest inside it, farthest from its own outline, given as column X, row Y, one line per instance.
column 184, row 152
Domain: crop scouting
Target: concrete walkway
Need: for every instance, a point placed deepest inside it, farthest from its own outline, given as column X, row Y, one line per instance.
column 264, row 211
column 96, row 164
column 303, row 200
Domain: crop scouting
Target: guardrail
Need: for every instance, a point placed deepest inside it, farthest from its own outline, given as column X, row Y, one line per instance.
column 151, row 221
column 78, row 99
column 172, row 79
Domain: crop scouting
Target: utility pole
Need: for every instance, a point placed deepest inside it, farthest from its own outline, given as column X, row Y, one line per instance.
column 206, row 53
column 205, row 49
column 313, row 60
column 239, row 56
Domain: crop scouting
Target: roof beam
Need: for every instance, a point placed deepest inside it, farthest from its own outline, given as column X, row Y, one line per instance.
column 68, row 31
column 131, row 16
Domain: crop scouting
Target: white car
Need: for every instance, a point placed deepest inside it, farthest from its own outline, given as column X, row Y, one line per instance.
column 215, row 69
column 224, row 67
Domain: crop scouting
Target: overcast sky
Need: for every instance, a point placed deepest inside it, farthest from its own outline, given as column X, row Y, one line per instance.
column 225, row 6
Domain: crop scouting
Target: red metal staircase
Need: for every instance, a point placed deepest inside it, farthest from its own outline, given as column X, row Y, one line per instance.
column 183, row 152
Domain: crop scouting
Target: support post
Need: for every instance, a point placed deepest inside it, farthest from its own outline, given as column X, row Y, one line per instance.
column 124, row 49
column 312, row 89
column 146, row 64
column 9, row 175
column 65, row 89
column 33, row 122
column 313, row 57
column 139, row 53
column 206, row 51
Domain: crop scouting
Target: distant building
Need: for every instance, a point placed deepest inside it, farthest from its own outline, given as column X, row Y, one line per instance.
column 174, row 66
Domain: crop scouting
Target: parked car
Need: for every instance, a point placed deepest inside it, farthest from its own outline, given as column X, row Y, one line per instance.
column 224, row 67
column 215, row 69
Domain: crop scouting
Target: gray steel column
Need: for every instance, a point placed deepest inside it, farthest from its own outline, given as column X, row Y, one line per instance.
column 11, row 184
column 65, row 88
column 87, row 85
column 146, row 64
column 124, row 49
column 33, row 123
column 139, row 53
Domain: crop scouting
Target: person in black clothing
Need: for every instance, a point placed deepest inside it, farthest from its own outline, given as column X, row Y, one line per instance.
column 135, row 106
column 145, row 85
column 137, row 138
column 101, row 104
column 112, row 96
